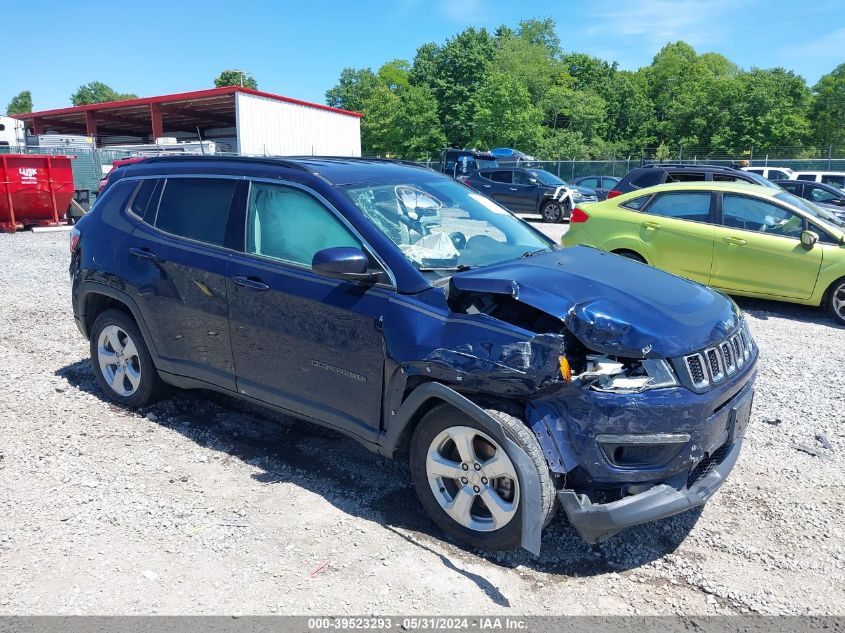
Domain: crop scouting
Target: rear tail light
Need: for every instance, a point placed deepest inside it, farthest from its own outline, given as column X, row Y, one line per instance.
column 74, row 239
column 578, row 216
column 613, row 193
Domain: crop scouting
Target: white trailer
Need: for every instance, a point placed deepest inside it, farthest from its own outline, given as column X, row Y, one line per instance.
column 12, row 133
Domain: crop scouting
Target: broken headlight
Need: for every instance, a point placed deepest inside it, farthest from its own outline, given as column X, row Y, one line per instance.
column 625, row 375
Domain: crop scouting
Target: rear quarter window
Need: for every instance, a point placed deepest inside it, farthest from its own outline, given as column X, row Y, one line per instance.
column 648, row 178
column 636, row 203
column 685, row 176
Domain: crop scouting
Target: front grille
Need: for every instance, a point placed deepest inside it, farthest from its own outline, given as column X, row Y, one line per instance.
column 712, row 365
column 706, row 465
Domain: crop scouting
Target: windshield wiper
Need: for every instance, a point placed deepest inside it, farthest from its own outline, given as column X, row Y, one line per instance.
column 532, row 253
column 432, row 269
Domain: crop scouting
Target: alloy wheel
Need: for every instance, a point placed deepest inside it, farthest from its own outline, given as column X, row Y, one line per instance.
column 118, row 360
column 472, row 478
column 838, row 301
column 552, row 212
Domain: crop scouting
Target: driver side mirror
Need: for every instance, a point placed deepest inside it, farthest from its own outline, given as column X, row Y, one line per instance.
column 343, row 262
column 809, row 239
column 533, row 181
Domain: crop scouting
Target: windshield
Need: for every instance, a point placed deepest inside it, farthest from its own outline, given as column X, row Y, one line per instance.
column 441, row 225
column 809, row 207
column 547, row 178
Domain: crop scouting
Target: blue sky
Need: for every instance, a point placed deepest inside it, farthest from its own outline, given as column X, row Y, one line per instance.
column 299, row 48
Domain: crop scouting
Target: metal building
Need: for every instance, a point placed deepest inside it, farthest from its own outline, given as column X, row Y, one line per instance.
column 237, row 119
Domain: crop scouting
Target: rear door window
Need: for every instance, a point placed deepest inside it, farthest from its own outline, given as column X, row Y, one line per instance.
column 731, row 178
column 196, row 208
column 810, row 177
column 691, row 206
column 776, row 174
column 591, row 183
column 792, row 187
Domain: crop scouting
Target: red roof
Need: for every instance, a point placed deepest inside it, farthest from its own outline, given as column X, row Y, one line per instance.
column 178, row 97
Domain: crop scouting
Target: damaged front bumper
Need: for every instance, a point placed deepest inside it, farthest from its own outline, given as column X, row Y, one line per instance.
column 597, row 522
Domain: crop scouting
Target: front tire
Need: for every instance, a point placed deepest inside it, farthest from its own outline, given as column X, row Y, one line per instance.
column 552, row 212
column 468, row 484
column 836, row 302
column 121, row 361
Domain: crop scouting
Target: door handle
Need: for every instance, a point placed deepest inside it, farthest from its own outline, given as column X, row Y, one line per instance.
column 735, row 240
column 513, row 188
column 143, row 253
column 651, row 225
column 250, row 282
column 486, row 186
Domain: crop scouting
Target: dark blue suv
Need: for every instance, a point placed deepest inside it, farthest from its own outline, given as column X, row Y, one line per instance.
column 404, row 309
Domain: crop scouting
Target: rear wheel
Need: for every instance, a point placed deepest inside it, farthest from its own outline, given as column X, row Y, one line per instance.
column 468, row 483
column 121, row 361
column 631, row 255
column 836, row 301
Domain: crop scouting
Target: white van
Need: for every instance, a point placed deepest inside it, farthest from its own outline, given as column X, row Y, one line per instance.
column 835, row 178
column 772, row 173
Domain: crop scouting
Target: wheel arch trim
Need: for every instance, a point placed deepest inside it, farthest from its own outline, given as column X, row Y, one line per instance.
column 529, row 482
column 88, row 288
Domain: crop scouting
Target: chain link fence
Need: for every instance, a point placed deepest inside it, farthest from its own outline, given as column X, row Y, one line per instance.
column 87, row 163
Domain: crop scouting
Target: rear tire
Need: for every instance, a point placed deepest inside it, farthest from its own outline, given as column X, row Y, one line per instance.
column 121, row 361
column 836, row 301
column 458, row 499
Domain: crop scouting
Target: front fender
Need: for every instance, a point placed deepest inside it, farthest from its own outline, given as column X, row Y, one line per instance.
column 528, row 480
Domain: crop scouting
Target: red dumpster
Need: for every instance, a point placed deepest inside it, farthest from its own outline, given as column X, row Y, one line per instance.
column 34, row 190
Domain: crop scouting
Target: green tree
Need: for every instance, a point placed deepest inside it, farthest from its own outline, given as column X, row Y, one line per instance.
column 454, row 72
column 235, row 78
column 379, row 133
column 21, row 103
column 394, row 74
column 98, row 92
column 504, row 115
column 828, row 111
column 420, row 135
column 353, row 89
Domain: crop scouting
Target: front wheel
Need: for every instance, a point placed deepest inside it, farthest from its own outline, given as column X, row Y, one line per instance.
column 552, row 211
column 468, row 483
column 836, row 302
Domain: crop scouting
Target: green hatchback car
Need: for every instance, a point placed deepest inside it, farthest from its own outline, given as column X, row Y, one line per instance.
column 742, row 239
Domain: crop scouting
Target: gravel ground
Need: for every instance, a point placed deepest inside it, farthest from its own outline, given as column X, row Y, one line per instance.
column 201, row 505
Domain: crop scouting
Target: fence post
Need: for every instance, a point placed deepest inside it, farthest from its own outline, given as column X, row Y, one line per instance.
column 829, row 155
column 573, row 169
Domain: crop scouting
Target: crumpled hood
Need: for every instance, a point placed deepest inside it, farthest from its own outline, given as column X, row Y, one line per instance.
column 611, row 304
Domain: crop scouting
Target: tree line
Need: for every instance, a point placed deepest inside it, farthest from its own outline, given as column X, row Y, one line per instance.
column 517, row 87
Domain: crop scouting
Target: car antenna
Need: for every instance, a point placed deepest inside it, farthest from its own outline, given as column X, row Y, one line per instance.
column 199, row 135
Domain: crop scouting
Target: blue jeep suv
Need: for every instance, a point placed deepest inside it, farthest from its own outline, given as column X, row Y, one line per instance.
column 419, row 317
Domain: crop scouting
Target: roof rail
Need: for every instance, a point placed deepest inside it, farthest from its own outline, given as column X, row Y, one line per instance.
column 240, row 159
